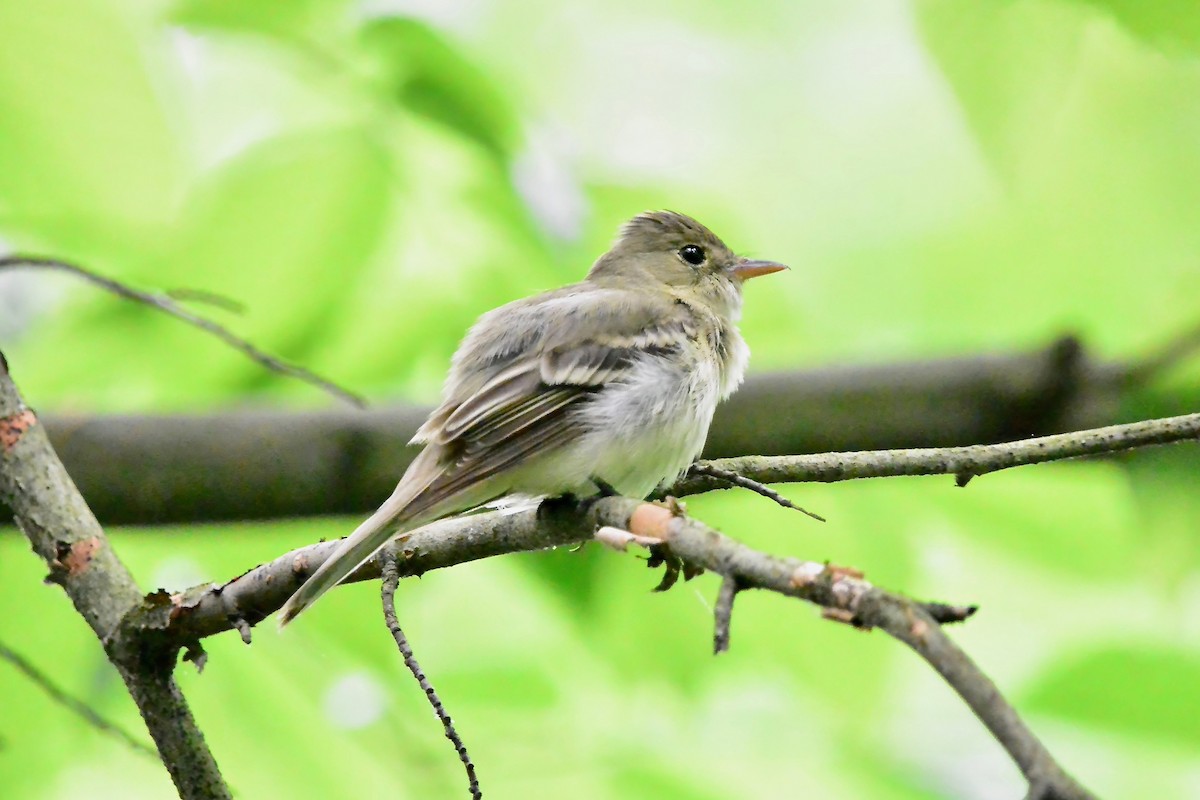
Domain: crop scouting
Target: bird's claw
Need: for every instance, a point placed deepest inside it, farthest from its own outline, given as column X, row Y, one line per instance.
column 673, row 566
column 660, row 554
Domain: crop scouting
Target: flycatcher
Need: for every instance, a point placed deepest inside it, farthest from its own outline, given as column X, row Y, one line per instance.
column 610, row 382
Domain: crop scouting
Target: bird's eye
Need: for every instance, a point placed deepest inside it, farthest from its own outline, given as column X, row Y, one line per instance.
column 692, row 254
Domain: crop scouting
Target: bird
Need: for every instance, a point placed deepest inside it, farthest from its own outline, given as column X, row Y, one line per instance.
column 605, row 385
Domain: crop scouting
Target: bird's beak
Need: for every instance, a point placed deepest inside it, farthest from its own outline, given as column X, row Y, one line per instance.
column 746, row 269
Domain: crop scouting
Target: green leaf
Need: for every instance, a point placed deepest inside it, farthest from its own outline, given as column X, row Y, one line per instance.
column 1010, row 65
column 285, row 227
column 1165, row 490
column 1149, row 691
column 1073, row 519
column 1170, row 25
column 281, row 21
column 426, row 73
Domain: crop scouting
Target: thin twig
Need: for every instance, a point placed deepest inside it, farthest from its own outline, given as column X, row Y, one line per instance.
column 165, row 304
column 205, row 297
column 729, row 476
column 391, row 578
column 845, row 596
column 75, row 706
column 961, row 462
column 723, row 614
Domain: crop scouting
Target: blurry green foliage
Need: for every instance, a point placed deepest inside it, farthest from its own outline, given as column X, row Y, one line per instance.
column 286, row 22
column 1085, row 690
column 1169, row 24
column 88, row 157
column 426, row 73
column 944, row 177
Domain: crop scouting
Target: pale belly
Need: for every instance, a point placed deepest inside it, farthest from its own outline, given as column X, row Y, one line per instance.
column 639, row 434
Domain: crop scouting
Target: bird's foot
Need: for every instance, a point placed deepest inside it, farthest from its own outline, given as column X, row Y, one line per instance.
column 673, row 566
column 660, row 554
column 653, row 528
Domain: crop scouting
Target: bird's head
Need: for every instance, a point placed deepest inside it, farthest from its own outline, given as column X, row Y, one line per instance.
column 674, row 251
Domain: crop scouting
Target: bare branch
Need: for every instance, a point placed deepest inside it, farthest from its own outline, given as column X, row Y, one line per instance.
column 268, row 464
column 205, row 297
column 962, row 462
column 907, row 621
column 63, row 531
column 74, row 705
column 854, row 600
column 165, row 303
column 391, row 578
column 842, row 592
column 251, row 597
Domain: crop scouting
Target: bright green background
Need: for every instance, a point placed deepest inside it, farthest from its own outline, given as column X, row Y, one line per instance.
column 945, row 177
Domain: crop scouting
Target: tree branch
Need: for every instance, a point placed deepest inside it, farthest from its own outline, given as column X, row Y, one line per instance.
column 391, row 578
column 271, row 465
column 251, row 597
column 63, row 531
column 210, row 609
column 964, row 463
column 907, row 621
column 165, row 302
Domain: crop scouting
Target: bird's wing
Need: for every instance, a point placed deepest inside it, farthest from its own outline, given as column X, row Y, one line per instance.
column 526, row 403
column 511, row 395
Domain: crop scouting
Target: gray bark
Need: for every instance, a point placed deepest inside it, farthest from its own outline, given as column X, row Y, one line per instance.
column 273, row 464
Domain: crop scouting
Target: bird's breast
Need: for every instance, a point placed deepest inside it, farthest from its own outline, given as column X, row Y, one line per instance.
column 651, row 426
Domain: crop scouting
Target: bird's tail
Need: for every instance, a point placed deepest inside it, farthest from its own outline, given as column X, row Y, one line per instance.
column 397, row 515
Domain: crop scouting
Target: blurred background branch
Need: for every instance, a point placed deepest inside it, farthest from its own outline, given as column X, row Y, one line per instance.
column 76, row 706
column 166, row 303
column 247, row 465
column 271, row 464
